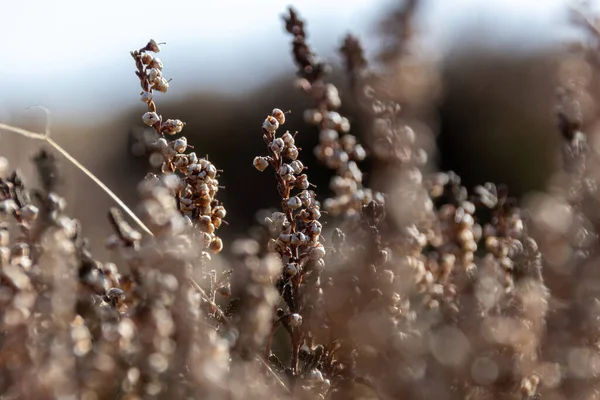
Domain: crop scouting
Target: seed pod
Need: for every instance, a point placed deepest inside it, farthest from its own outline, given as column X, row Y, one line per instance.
column 146, row 59
column 292, row 152
column 152, row 46
column 302, row 182
column 211, row 171
column 154, row 75
column 277, row 145
column 270, row 125
column 172, row 126
column 162, row 85
column 219, row 212
column 279, row 115
column 150, row 118
column 288, row 139
column 146, row 97
column 297, row 166
column 156, row 63
column 285, row 169
column 261, row 163
column 294, row 203
column 315, row 228
column 180, row 145
column 216, row 245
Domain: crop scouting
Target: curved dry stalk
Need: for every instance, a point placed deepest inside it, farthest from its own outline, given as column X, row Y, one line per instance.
column 46, row 138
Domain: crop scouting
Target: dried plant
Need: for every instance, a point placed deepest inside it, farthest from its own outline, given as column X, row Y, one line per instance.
column 421, row 289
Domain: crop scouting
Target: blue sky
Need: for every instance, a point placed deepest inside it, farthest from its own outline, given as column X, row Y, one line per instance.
column 69, row 55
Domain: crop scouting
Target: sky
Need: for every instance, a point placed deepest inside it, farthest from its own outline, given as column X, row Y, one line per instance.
column 73, row 56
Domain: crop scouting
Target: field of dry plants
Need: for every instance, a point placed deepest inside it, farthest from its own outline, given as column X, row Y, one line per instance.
column 395, row 281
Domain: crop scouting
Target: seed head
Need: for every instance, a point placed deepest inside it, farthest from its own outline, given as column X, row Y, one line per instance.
column 172, row 126
column 279, row 115
column 180, row 144
column 152, row 46
column 270, row 124
column 146, row 97
column 294, row 203
column 162, row 85
column 261, row 163
column 150, row 118
column 277, row 145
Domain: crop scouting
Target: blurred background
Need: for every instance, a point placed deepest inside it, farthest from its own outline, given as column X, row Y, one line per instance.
column 492, row 109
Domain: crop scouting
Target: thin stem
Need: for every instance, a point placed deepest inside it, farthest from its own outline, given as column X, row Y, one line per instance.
column 46, row 138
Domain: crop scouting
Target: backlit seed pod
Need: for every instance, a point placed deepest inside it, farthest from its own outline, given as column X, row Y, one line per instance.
column 288, row 139
column 219, row 212
column 156, row 63
column 146, row 97
column 294, row 203
column 153, row 46
column 313, row 213
column 216, row 245
column 302, row 182
column 217, row 222
column 211, row 171
column 260, row 163
column 277, row 145
column 150, row 118
column 279, row 115
column 193, row 169
column 162, row 85
column 295, row 320
column 270, row 125
column 146, row 59
column 180, row 145
column 290, row 269
column 292, row 152
column 172, row 126
column 289, row 178
column 205, row 224
column 315, row 228
column 285, row 169
column 306, row 198
column 297, row 166
column 154, row 75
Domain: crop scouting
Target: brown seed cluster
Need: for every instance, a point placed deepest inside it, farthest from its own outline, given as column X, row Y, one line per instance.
column 197, row 181
column 337, row 149
column 297, row 232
